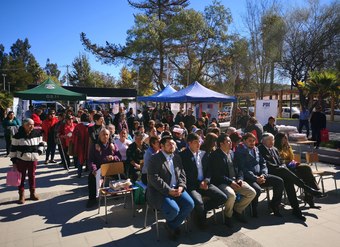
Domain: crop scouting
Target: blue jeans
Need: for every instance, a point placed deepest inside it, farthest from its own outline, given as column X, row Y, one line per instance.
column 176, row 209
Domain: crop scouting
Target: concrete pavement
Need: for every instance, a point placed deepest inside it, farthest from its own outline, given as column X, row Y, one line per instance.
column 60, row 218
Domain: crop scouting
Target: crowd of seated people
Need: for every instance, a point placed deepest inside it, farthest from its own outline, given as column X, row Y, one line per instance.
column 187, row 163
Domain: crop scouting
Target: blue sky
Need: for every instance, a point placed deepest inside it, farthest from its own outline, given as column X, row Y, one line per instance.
column 53, row 27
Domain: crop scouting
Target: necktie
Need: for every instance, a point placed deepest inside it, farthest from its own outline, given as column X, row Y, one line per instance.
column 275, row 158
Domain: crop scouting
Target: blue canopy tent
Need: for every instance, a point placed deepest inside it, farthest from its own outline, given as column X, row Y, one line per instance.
column 196, row 92
column 168, row 90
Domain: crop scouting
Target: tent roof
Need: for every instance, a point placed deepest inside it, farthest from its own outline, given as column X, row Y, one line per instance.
column 49, row 91
column 168, row 90
column 196, row 92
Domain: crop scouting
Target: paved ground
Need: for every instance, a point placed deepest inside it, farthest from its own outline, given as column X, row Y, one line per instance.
column 61, row 219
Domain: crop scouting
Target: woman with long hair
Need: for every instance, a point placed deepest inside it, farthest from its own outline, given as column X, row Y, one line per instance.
column 209, row 145
column 302, row 171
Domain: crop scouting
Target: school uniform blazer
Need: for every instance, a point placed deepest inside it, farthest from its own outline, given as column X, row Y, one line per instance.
column 252, row 165
column 159, row 178
column 190, row 168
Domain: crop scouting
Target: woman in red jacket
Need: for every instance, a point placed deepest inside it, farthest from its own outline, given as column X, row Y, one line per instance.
column 81, row 142
column 48, row 135
column 65, row 135
column 36, row 118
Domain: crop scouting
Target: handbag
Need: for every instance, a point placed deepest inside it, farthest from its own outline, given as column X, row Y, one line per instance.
column 139, row 195
column 13, row 177
column 324, row 135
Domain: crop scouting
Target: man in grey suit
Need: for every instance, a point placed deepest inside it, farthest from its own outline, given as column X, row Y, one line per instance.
column 166, row 186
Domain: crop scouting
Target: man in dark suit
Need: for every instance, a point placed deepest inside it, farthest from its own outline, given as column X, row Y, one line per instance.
column 227, row 177
column 167, row 186
column 248, row 158
column 275, row 167
column 198, row 180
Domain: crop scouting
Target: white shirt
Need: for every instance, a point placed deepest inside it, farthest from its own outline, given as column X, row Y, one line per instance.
column 122, row 147
column 169, row 159
column 198, row 159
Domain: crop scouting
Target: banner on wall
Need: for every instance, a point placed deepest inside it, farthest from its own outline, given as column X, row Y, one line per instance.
column 210, row 108
column 266, row 109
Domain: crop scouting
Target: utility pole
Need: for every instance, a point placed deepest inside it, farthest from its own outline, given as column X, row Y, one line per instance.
column 4, row 76
column 67, row 82
column 9, row 87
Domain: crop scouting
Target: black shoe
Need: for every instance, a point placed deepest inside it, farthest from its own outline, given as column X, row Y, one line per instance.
column 297, row 213
column 312, row 191
column 91, row 203
column 229, row 222
column 275, row 210
column 254, row 213
column 240, row 217
column 171, row 233
column 178, row 231
column 310, row 201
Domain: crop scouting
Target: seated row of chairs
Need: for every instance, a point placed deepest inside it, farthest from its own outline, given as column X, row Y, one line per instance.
column 116, row 169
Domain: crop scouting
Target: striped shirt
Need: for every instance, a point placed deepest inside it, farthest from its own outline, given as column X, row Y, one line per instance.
column 26, row 147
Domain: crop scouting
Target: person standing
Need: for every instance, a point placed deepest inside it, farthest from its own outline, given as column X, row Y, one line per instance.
column 198, row 181
column 48, row 127
column 304, row 120
column 11, row 125
column 65, row 133
column 81, row 141
column 167, row 186
column 27, row 145
column 228, row 177
column 36, row 118
column 317, row 122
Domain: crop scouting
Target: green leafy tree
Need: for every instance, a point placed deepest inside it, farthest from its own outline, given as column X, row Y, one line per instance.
column 21, row 67
column 80, row 74
column 266, row 30
column 311, row 32
column 147, row 40
column 324, row 84
column 200, row 43
column 51, row 69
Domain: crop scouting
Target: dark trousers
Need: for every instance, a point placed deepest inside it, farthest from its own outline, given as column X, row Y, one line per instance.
column 51, row 147
column 92, row 186
column 289, row 179
column 304, row 123
column 8, row 140
column 25, row 167
column 133, row 173
column 271, row 181
column 214, row 197
column 305, row 173
column 316, row 136
column 65, row 158
column 145, row 178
